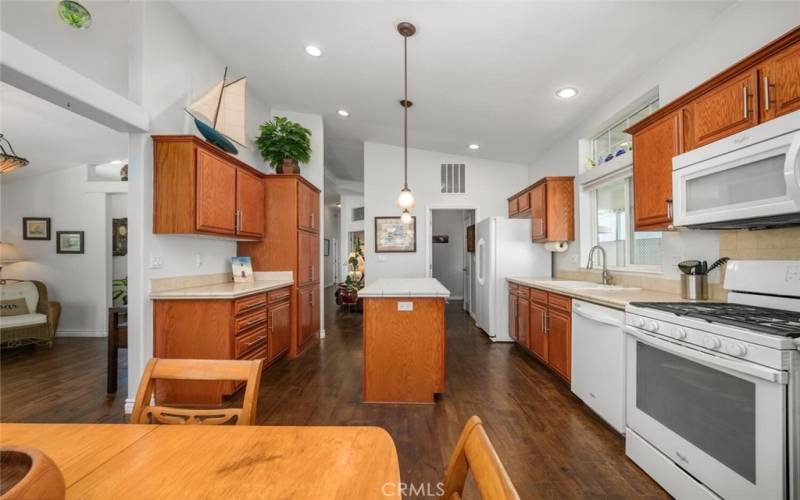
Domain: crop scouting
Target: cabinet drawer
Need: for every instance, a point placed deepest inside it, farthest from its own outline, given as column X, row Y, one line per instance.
column 523, row 291
column 249, row 304
column 539, row 296
column 279, row 295
column 247, row 322
column 255, row 339
column 560, row 302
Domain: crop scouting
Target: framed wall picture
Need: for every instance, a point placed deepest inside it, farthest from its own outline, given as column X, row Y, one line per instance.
column 36, row 228
column 393, row 235
column 69, row 241
column 441, row 238
column 119, row 237
column 471, row 238
column 326, row 247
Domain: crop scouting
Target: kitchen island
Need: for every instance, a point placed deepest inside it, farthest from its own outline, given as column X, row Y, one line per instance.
column 404, row 340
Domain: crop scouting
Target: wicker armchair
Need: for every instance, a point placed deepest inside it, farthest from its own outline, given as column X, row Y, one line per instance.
column 38, row 327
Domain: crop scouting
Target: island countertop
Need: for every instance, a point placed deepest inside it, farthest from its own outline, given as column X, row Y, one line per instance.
column 404, row 287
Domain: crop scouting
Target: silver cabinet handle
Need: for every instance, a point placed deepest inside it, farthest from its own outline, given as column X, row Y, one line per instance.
column 543, row 328
column 766, row 93
column 311, row 218
column 744, row 97
column 546, row 323
column 669, row 209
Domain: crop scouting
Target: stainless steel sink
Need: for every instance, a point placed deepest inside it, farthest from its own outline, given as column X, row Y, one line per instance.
column 584, row 285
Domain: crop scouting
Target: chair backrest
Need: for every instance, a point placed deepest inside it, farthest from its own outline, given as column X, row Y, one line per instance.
column 21, row 290
column 197, row 369
column 474, row 452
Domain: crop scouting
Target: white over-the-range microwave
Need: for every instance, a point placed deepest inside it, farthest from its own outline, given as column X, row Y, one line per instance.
column 747, row 180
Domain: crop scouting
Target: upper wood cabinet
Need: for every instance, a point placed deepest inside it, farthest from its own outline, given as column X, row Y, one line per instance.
column 760, row 87
column 550, row 204
column 725, row 110
column 538, row 197
column 307, row 208
column 198, row 188
column 653, row 149
column 779, row 80
column 519, row 205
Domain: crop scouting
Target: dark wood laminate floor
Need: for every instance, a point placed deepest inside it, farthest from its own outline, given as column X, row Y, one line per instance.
column 552, row 446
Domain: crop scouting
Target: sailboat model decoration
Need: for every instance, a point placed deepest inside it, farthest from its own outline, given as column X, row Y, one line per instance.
column 219, row 114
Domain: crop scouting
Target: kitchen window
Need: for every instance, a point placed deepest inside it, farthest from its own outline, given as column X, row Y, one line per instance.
column 613, row 141
column 611, row 226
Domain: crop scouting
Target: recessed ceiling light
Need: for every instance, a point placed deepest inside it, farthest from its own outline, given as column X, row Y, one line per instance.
column 313, row 50
column 343, row 113
column 117, row 162
column 567, row 92
column 474, row 146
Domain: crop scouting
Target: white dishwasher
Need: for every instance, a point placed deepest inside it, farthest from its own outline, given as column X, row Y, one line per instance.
column 598, row 360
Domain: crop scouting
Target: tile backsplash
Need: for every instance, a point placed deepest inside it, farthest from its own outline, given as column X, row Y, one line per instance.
column 768, row 244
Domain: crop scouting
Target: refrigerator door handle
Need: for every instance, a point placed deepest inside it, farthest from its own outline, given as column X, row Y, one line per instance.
column 479, row 259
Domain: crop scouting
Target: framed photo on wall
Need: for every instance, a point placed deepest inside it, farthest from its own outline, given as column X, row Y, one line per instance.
column 471, row 238
column 36, row 228
column 393, row 235
column 69, row 241
column 119, row 239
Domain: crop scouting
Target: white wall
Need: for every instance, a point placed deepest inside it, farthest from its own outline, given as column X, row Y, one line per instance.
column 332, row 228
column 488, row 185
column 739, row 30
column 448, row 258
column 78, row 281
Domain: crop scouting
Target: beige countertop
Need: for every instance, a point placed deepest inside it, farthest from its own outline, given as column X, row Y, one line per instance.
column 616, row 298
column 229, row 290
column 405, row 287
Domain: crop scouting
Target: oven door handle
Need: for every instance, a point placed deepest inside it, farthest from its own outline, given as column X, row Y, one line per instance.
column 747, row 368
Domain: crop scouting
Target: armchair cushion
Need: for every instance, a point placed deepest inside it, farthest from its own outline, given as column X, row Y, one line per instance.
column 22, row 289
column 23, row 320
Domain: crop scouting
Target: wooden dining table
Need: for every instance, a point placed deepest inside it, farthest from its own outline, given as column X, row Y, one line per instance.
column 166, row 461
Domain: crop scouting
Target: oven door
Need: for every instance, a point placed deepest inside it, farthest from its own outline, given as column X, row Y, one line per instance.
column 754, row 182
column 723, row 425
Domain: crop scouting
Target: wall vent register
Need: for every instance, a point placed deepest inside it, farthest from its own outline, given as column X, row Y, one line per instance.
column 358, row 213
column 453, row 178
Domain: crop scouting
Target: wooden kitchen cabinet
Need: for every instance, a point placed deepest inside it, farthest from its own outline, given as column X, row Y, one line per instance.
column 513, row 331
column 779, row 84
column 559, row 342
column 538, row 334
column 539, row 212
column 249, row 327
column 725, row 110
column 760, row 87
column 523, row 320
column 200, row 189
column 653, row 149
column 291, row 243
column 553, row 210
column 519, row 205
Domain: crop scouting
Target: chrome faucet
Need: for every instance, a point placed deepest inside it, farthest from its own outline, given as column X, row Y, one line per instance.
column 607, row 279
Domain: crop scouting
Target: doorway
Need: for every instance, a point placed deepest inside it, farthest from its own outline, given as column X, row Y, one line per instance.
column 451, row 261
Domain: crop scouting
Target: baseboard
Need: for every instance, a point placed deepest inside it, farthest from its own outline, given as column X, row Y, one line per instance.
column 82, row 333
column 322, row 333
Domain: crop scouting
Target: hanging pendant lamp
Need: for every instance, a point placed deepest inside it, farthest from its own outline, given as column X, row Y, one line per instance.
column 8, row 158
column 406, row 198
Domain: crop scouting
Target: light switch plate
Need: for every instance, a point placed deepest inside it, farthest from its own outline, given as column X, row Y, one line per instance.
column 405, row 306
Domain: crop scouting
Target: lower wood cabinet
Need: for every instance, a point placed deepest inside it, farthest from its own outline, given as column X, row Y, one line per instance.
column 256, row 326
column 308, row 306
column 545, row 328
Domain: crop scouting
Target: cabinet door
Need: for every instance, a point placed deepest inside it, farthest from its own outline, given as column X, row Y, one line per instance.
column 779, row 80
column 538, row 336
column 280, row 329
column 250, row 204
column 523, row 320
column 307, row 258
column 308, row 208
column 216, row 194
column 653, row 149
column 309, row 320
column 513, row 207
column 725, row 110
column 538, row 200
column 559, row 342
column 512, row 317
column 524, row 202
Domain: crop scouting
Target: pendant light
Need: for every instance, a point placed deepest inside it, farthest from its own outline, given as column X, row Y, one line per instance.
column 8, row 158
column 406, row 198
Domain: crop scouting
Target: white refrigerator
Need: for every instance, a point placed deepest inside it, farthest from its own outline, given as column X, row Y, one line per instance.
column 503, row 249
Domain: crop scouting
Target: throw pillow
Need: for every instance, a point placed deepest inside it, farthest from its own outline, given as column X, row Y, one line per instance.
column 13, row 307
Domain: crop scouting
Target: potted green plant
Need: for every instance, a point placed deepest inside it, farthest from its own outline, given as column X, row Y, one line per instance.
column 284, row 144
column 120, row 291
column 348, row 291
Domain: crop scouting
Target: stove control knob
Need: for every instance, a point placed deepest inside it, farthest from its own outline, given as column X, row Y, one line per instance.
column 712, row 342
column 637, row 322
column 735, row 348
column 651, row 326
column 678, row 333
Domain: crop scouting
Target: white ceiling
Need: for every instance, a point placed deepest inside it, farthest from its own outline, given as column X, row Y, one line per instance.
column 481, row 72
column 52, row 137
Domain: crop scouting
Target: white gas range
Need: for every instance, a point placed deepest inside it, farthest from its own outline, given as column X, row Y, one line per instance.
column 713, row 389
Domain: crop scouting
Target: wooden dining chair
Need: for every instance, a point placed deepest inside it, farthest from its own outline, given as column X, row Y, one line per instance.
column 474, row 452
column 197, row 369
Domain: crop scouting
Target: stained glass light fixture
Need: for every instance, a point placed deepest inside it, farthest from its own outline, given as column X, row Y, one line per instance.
column 74, row 14
column 8, row 158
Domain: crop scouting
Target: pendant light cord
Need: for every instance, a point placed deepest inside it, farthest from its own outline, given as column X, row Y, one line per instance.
column 405, row 112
